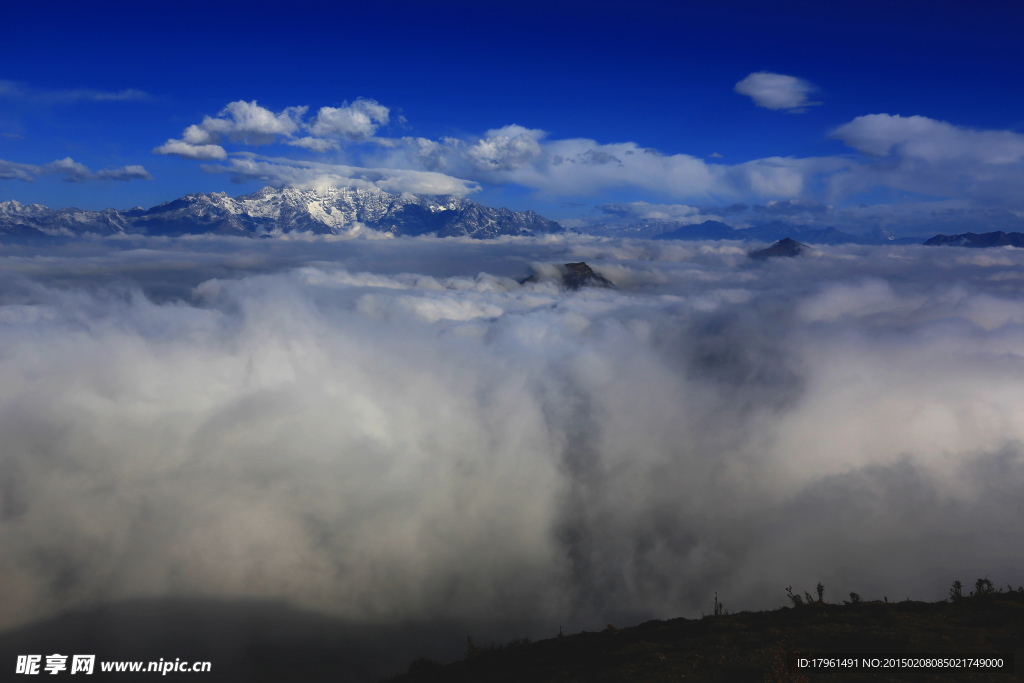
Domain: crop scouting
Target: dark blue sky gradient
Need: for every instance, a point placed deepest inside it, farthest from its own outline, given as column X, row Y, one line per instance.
column 659, row 74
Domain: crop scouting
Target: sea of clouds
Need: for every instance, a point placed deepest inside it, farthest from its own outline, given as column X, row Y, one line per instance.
column 389, row 431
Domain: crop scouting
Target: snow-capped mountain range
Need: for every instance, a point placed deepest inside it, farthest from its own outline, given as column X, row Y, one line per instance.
column 278, row 211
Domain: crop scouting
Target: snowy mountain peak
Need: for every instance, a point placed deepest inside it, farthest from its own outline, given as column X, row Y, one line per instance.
column 276, row 211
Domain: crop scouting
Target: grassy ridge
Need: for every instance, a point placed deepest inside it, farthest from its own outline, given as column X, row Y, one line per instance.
column 753, row 646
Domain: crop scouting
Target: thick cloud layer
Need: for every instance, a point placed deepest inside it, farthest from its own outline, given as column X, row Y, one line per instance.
column 399, row 431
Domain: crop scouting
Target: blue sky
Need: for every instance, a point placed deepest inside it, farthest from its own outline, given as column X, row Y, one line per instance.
column 878, row 113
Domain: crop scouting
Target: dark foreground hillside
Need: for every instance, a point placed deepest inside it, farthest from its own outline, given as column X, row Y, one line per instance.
column 255, row 642
column 753, row 646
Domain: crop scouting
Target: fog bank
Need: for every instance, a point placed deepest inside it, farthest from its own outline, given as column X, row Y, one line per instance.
column 399, row 431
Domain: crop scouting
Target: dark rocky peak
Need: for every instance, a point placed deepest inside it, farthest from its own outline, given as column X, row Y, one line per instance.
column 785, row 247
column 574, row 276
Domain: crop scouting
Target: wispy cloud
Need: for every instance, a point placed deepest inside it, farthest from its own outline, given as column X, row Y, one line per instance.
column 640, row 210
column 130, row 172
column 579, row 167
column 11, row 170
column 23, row 91
column 92, row 95
column 71, row 170
column 311, row 174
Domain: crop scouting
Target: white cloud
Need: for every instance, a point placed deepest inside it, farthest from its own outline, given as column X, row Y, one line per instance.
column 245, row 122
column 250, row 124
column 844, row 300
column 930, row 140
column 639, row 210
column 314, row 144
column 512, row 154
column 239, row 121
column 72, row 171
column 776, row 91
column 433, row 155
column 189, row 151
column 282, row 171
column 132, row 172
column 615, row 217
column 76, row 173
column 937, row 158
column 570, row 167
column 782, row 177
column 910, row 154
column 356, row 121
column 580, row 167
column 791, row 207
column 506, row 149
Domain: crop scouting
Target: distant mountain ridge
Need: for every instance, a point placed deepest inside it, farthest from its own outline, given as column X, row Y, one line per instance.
column 666, row 229
column 775, row 231
column 273, row 212
column 278, row 211
column 978, row 241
